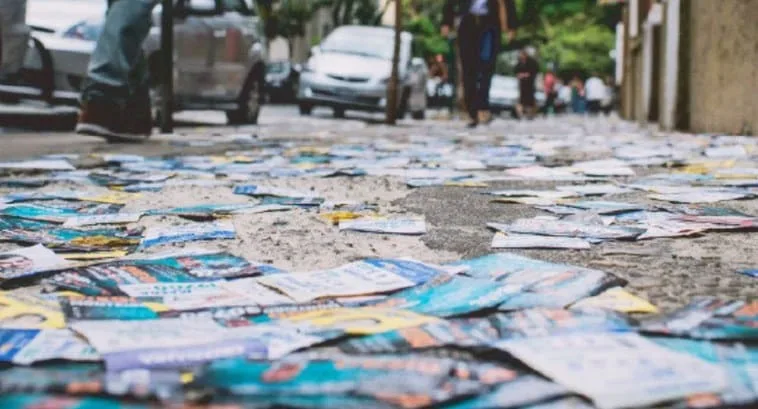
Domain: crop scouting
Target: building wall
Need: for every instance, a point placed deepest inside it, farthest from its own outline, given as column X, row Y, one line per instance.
column 723, row 66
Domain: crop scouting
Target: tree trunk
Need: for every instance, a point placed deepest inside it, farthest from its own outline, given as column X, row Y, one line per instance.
column 392, row 89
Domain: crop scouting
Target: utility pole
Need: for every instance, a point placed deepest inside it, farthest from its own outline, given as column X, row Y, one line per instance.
column 392, row 89
column 167, row 66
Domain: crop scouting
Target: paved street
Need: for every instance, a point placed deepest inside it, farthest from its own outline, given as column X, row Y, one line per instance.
column 667, row 216
column 668, row 271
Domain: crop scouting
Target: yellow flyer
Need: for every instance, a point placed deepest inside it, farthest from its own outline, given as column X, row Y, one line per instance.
column 362, row 321
column 618, row 299
column 16, row 312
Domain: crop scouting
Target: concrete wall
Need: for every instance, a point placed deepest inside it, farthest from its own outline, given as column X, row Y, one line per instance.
column 723, row 66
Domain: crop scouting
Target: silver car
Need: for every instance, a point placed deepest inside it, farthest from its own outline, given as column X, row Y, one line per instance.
column 219, row 55
column 351, row 69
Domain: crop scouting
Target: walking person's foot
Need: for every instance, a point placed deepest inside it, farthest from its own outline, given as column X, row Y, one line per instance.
column 112, row 123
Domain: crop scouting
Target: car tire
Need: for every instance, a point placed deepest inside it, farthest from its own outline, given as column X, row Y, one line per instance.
column 305, row 109
column 419, row 115
column 250, row 102
column 339, row 112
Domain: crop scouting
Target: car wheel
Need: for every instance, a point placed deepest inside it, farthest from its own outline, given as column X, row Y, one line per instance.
column 419, row 115
column 339, row 112
column 250, row 102
column 305, row 109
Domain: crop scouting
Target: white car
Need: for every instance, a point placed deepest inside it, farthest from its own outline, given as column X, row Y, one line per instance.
column 351, row 69
column 504, row 95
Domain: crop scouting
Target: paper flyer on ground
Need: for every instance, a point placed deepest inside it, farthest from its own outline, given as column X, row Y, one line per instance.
column 164, row 343
column 190, row 232
column 90, row 220
column 28, row 261
column 362, row 321
column 356, row 278
column 386, row 226
column 23, row 313
column 25, row 347
column 617, row 370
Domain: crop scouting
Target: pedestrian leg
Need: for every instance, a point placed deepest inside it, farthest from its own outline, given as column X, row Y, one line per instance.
column 469, row 62
column 115, row 69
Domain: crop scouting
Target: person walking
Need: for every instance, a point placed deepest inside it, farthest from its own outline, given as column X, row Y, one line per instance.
column 115, row 96
column 578, row 104
column 549, row 83
column 526, row 72
column 595, row 94
column 479, row 24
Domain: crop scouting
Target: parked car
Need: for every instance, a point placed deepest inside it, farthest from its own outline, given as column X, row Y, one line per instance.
column 351, row 69
column 281, row 81
column 504, row 95
column 219, row 56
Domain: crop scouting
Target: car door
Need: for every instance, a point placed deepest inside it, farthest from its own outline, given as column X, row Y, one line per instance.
column 193, row 48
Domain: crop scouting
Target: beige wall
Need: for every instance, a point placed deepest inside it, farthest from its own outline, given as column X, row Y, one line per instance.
column 723, row 64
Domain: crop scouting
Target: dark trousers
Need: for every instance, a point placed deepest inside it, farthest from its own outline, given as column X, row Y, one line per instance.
column 593, row 106
column 478, row 46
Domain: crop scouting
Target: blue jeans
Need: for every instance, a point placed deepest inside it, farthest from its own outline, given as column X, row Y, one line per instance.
column 117, row 69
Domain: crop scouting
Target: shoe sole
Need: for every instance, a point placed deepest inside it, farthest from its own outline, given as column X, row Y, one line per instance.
column 108, row 135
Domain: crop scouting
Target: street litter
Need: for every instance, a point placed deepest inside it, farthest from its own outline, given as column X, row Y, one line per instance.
column 111, row 218
column 28, row 261
column 569, row 229
column 190, row 232
column 626, row 357
column 750, row 272
column 385, row 226
column 39, row 164
column 709, row 318
column 533, row 241
column 617, row 299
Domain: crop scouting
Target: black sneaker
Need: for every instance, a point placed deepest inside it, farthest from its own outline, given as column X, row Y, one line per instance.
column 109, row 122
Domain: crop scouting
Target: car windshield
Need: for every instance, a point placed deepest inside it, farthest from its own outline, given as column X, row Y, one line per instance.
column 376, row 45
column 504, row 82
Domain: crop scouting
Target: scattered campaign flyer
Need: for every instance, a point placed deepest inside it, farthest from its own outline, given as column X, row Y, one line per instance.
column 109, row 308
column 111, row 218
column 450, row 296
column 617, row 299
column 540, row 322
column 191, row 232
column 29, row 261
column 709, row 318
column 412, row 226
column 572, row 229
column 617, row 370
column 255, row 190
column 436, row 334
column 362, row 321
column 27, row 346
column 556, row 289
column 356, row 278
column 533, row 241
column 165, row 343
column 24, row 312
column 38, row 164
column 57, row 212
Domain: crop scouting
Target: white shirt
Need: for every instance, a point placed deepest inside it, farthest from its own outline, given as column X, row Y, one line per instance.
column 479, row 7
column 595, row 89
